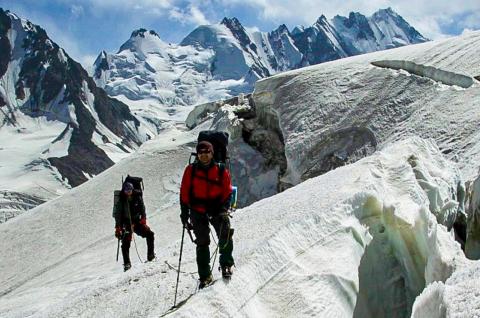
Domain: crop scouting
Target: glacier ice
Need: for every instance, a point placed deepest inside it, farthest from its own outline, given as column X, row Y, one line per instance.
column 446, row 77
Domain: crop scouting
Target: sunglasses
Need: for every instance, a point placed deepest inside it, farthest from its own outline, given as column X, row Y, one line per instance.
column 200, row 152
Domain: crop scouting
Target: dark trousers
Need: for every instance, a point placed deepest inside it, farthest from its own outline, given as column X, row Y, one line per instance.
column 201, row 229
column 142, row 230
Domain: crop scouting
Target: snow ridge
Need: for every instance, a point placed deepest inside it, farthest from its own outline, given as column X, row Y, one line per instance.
column 445, row 77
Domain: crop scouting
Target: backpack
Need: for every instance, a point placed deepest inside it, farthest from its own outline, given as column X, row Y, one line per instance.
column 137, row 183
column 219, row 140
column 138, row 187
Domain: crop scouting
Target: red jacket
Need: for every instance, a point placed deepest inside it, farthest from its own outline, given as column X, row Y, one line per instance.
column 208, row 190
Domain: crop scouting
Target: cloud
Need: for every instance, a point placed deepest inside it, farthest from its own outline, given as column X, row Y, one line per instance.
column 77, row 10
column 127, row 5
column 190, row 15
column 87, row 61
column 252, row 29
column 471, row 21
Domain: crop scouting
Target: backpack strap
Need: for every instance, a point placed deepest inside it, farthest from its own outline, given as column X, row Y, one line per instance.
column 221, row 169
column 192, row 176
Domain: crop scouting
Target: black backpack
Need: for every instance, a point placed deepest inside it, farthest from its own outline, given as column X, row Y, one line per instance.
column 219, row 140
column 137, row 183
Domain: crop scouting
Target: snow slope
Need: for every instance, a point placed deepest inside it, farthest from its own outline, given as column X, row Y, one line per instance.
column 283, row 245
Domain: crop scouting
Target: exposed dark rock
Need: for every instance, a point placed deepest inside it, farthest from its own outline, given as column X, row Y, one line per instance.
column 460, row 229
column 5, row 48
column 267, row 141
column 19, row 90
column 101, row 64
column 239, row 33
column 140, row 32
column 315, row 46
column 83, row 156
column 337, row 149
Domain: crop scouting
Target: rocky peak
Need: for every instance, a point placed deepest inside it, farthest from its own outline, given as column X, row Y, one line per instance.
column 298, row 29
column 239, row 33
column 358, row 21
column 141, row 33
column 142, row 40
column 386, row 12
column 322, row 20
column 101, row 64
column 384, row 15
column 355, row 18
column 232, row 23
column 281, row 30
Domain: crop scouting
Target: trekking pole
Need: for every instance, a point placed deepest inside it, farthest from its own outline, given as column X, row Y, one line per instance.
column 178, row 271
column 191, row 237
column 118, row 248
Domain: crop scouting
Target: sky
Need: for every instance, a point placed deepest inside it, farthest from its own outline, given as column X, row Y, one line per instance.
column 86, row 27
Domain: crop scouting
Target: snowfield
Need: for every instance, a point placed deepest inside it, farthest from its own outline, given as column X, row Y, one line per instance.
column 370, row 238
column 297, row 253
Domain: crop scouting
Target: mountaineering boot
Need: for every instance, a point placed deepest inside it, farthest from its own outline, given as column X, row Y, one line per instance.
column 126, row 266
column 150, row 248
column 204, row 282
column 227, row 272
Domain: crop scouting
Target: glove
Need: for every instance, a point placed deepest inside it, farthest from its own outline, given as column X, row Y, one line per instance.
column 188, row 226
column 118, row 232
column 143, row 220
column 185, row 222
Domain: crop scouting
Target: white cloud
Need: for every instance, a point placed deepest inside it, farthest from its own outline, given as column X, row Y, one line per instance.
column 87, row 63
column 471, row 21
column 190, row 15
column 252, row 29
column 127, row 5
column 76, row 10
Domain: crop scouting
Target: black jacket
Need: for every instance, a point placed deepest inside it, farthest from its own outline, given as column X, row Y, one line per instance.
column 129, row 211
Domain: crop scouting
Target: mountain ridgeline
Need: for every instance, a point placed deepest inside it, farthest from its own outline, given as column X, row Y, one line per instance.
column 235, row 58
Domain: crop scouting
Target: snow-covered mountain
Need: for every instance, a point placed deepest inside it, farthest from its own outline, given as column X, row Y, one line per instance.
column 222, row 60
column 57, row 128
column 376, row 151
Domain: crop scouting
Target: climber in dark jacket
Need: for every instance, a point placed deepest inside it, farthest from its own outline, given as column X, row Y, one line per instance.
column 130, row 216
column 205, row 198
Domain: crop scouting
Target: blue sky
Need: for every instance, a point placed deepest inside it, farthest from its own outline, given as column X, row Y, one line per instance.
column 85, row 27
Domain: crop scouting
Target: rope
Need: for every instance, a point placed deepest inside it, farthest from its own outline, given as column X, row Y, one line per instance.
column 135, row 243
column 214, row 254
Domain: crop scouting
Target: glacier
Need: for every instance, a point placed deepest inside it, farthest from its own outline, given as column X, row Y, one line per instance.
column 364, row 174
